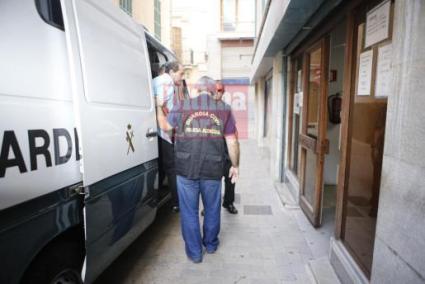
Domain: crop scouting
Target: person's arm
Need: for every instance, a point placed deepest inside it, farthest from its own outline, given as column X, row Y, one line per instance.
column 163, row 93
column 233, row 149
column 162, row 119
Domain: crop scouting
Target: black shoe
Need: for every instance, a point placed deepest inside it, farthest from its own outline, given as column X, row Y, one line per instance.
column 231, row 208
column 211, row 251
column 175, row 209
column 198, row 260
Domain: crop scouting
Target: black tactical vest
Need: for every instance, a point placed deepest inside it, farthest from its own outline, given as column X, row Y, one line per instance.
column 199, row 141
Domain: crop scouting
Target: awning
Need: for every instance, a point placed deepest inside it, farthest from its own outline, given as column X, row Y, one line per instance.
column 284, row 21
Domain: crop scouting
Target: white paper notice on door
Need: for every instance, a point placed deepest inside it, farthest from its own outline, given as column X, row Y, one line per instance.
column 365, row 73
column 378, row 24
column 384, row 71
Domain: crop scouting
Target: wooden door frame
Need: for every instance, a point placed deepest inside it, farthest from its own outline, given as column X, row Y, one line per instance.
column 348, row 100
column 347, row 11
column 346, row 130
column 298, row 52
column 319, row 145
column 291, row 73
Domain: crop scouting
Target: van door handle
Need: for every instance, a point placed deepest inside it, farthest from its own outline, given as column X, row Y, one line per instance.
column 151, row 133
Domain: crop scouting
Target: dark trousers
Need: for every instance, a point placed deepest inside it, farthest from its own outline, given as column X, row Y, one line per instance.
column 167, row 168
column 229, row 187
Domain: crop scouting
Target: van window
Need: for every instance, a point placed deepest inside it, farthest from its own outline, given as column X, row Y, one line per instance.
column 156, row 58
column 51, row 12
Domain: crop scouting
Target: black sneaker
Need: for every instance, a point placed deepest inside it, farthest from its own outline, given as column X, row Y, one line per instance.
column 231, row 208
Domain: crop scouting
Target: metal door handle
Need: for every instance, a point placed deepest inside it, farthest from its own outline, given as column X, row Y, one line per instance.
column 151, row 133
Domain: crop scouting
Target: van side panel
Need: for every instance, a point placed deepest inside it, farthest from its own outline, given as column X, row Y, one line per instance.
column 115, row 114
column 38, row 157
column 112, row 89
column 35, row 107
column 28, row 227
column 121, row 207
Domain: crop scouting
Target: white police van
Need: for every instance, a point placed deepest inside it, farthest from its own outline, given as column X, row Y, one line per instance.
column 78, row 156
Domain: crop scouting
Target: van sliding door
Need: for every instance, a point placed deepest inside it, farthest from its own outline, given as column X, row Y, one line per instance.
column 115, row 114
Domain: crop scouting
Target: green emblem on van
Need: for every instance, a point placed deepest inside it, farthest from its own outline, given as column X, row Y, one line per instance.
column 129, row 138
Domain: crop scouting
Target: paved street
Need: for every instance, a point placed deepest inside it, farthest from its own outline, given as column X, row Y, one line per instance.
column 265, row 243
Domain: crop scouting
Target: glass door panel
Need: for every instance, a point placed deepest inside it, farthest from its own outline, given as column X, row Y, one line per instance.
column 296, row 116
column 314, row 92
column 365, row 154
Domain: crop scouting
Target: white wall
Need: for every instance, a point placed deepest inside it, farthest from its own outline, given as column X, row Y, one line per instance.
column 273, row 143
column 277, row 118
column 260, row 105
column 214, row 56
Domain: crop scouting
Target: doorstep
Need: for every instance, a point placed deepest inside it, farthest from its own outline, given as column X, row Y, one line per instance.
column 285, row 196
column 344, row 265
column 322, row 271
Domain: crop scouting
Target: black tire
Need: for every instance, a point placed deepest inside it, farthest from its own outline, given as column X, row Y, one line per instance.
column 59, row 263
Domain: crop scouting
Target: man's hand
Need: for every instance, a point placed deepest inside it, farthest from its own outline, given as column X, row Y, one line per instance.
column 233, row 174
column 233, row 149
column 162, row 120
column 159, row 102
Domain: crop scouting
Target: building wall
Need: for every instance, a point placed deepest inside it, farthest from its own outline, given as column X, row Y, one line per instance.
column 276, row 12
column 197, row 20
column 273, row 143
column 259, row 110
column 252, row 130
column 143, row 13
column 236, row 58
column 260, row 6
column 400, row 244
column 176, row 42
column 214, row 56
column 277, row 118
column 166, row 33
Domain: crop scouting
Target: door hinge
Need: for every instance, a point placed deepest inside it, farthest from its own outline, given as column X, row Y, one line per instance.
column 77, row 189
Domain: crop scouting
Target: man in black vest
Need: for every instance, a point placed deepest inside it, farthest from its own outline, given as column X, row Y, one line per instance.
column 200, row 124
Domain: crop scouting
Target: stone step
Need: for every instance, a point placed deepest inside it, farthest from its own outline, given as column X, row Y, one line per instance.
column 322, row 271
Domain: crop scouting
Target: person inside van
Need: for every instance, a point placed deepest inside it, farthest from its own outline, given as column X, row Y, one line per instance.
column 165, row 92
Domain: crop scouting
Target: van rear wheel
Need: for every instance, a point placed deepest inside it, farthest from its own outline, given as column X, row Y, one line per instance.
column 68, row 276
column 59, row 263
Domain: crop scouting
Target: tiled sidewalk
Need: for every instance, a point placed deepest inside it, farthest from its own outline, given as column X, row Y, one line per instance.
column 264, row 243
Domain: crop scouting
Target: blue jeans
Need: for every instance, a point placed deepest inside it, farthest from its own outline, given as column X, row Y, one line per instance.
column 189, row 191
